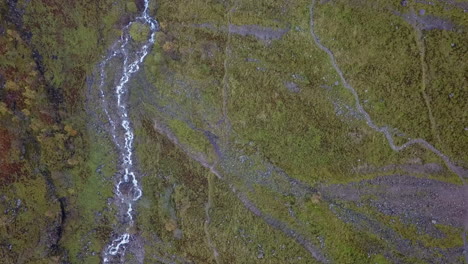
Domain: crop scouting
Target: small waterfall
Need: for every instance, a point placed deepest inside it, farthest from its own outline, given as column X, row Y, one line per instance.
column 115, row 106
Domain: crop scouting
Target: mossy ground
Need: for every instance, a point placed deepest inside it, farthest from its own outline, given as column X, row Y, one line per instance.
column 194, row 71
column 173, row 211
column 201, row 78
column 58, row 182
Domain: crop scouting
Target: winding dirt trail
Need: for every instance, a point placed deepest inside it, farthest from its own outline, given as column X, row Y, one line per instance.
column 419, row 38
column 207, row 223
column 460, row 171
column 225, row 81
column 275, row 223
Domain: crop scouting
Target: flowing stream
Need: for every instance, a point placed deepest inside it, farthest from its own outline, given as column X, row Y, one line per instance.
column 129, row 55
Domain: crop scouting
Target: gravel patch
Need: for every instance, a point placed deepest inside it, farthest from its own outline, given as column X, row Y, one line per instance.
column 398, row 247
column 265, row 34
column 428, row 168
column 292, row 87
column 426, row 22
column 419, row 201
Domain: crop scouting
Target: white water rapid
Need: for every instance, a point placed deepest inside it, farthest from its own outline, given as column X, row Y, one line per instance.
column 130, row 54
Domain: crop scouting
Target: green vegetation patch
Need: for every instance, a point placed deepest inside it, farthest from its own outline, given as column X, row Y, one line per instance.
column 192, row 138
column 139, row 32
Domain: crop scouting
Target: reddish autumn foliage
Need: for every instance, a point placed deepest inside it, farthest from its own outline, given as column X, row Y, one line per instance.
column 8, row 168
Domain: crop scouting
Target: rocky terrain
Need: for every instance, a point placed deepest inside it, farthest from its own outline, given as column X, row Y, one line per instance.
column 235, row 131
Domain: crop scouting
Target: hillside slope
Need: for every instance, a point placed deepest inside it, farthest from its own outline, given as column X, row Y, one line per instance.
column 266, row 131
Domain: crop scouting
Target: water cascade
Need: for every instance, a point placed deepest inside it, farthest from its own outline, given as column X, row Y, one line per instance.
column 127, row 189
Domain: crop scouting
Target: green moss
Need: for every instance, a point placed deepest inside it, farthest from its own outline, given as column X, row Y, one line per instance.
column 188, row 136
column 172, row 207
column 381, row 60
column 210, row 76
column 28, row 216
column 450, row 239
column 90, row 218
column 69, row 40
column 139, row 32
column 131, row 7
column 302, row 133
column 380, row 259
column 241, row 237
